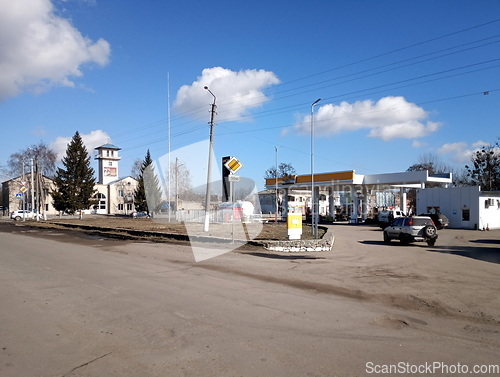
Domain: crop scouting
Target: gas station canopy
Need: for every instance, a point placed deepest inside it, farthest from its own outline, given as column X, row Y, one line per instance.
column 411, row 179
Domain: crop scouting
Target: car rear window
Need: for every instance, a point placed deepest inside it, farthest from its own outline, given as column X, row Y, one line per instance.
column 421, row 221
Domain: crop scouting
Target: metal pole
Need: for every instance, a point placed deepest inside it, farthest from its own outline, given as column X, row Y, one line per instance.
column 276, row 173
column 314, row 223
column 169, row 162
column 209, row 172
column 231, row 184
column 23, row 201
column 32, row 184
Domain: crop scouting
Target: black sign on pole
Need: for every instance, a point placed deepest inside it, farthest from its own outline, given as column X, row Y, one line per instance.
column 226, row 187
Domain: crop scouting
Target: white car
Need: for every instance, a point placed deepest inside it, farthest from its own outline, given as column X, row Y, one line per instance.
column 28, row 215
column 387, row 217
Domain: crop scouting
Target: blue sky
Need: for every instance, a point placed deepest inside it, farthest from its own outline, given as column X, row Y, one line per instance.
column 397, row 79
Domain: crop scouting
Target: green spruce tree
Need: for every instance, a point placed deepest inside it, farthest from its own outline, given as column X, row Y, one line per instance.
column 147, row 195
column 75, row 182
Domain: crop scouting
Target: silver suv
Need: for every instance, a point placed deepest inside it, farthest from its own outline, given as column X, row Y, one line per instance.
column 412, row 229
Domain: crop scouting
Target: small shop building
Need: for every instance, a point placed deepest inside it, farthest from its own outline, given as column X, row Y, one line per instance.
column 466, row 207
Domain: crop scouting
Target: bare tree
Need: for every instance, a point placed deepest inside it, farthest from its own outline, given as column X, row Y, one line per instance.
column 284, row 170
column 485, row 167
column 46, row 159
column 180, row 183
column 244, row 189
column 136, row 168
column 433, row 165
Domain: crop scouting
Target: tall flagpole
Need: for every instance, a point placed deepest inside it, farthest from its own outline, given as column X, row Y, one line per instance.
column 168, row 131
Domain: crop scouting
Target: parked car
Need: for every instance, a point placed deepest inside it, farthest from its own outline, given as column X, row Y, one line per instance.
column 139, row 215
column 440, row 220
column 386, row 217
column 412, row 229
column 28, row 215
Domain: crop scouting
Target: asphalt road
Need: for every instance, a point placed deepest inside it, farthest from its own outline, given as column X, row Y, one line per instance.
column 72, row 305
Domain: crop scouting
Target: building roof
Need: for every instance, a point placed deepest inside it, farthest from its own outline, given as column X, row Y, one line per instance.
column 350, row 177
column 108, row 146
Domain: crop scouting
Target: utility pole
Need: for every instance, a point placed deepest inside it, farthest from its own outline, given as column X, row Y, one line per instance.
column 23, row 200
column 276, row 193
column 39, row 191
column 209, row 172
column 169, row 162
column 32, row 187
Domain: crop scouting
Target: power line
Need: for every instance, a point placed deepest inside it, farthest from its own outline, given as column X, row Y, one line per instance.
column 287, row 108
column 199, row 109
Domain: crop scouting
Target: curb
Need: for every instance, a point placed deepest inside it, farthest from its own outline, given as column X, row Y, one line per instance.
column 323, row 244
column 297, row 246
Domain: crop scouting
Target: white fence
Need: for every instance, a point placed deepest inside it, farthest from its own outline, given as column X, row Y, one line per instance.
column 220, row 216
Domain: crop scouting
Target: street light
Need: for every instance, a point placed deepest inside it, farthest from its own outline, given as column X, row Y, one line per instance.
column 314, row 222
column 209, row 173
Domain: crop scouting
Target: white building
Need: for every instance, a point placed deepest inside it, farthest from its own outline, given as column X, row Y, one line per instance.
column 19, row 193
column 115, row 195
column 465, row 207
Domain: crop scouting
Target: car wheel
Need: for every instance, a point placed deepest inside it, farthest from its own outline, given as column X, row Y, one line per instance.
column 430, row 231
column 387, row 239
column 431, row 242
column 17, row 218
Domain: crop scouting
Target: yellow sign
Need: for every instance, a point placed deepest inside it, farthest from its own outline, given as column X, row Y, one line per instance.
column 24, row 189
column 294, row 225
column 233, row 164
column 294, row 221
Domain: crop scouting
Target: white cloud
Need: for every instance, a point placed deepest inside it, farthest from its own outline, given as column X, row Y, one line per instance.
column 91, row 141
column 479, row 144
column 461, row 152
column 387, row 119
column 39, row 50
column 236, row 92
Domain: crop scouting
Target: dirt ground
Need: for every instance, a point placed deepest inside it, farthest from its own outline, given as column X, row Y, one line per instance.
column 256, row 231
column 414, row 303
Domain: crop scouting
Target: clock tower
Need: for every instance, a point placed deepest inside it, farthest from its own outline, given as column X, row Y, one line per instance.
column 108, row 158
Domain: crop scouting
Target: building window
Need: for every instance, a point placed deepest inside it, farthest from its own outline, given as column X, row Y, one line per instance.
column 120, row 193
column 120, row 207
column 129, row 207
column 107, row 153
column 110, row 163
column 465, row 215
column 102, row 201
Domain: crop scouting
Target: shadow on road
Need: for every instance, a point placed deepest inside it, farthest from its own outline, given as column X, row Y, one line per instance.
column 482, row 253
column 494, row 242
column 392, row 243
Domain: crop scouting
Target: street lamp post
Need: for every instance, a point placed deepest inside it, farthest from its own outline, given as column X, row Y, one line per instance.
column 209, row 173
column 314, row 220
